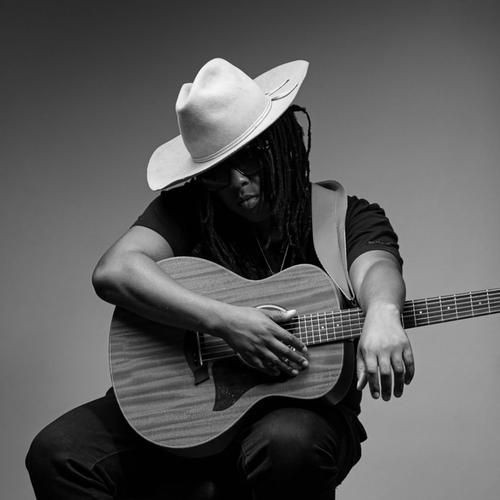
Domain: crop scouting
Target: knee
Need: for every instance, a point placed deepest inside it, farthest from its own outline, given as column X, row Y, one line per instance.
column 295, row 441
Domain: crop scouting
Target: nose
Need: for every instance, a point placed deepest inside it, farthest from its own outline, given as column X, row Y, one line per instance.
column 237, row 179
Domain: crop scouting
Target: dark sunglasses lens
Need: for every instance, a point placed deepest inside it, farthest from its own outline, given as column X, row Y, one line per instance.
column 219, row 177
column 251, row 168
column 216, row 178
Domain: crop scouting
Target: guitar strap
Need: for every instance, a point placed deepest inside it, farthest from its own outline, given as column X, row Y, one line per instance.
column 329, row 207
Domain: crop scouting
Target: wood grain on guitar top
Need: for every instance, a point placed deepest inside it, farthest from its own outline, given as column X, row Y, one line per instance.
column 153, row 373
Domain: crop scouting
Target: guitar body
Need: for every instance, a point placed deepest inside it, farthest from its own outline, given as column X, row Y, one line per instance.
column 172, row 401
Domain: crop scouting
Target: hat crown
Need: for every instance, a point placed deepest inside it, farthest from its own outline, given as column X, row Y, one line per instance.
column 218, row 109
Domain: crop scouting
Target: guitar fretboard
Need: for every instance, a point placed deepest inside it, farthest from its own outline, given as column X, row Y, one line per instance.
column 324, row 327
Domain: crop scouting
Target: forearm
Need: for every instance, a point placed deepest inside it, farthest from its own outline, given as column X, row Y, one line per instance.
column 135, row 282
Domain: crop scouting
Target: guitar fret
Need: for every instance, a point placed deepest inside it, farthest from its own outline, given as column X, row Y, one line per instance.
column 463, row 306
column 313, row 339
column 353, row 320
column 315, row 323
column 348, row 322
column 310, row 329
column 322, row 327
column 419, row 314
column 334, row 329
column 480, row 303
column 330, row 328
column 448, row 308
column 440, row 305
column 411, row 321
column 315, row 327
column 481, row 306
column 359, row 320
column 349, row 314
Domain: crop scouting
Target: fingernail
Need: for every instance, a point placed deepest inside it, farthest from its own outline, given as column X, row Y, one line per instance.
column 305, row 363
column 295, row 372
column 376, row 395
column 304, row 349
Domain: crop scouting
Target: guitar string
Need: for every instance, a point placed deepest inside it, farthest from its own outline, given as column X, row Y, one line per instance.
column 433, row 308
column 328, row 322
column 425, row 303
column 224, row 351
column 349, row 325
column 337, row 319
column 328, row 319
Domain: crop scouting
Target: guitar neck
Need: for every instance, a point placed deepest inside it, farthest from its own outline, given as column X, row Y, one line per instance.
column 324, row 327
column 320, row 328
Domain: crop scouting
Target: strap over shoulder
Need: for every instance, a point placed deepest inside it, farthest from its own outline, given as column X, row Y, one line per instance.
column 329, row 207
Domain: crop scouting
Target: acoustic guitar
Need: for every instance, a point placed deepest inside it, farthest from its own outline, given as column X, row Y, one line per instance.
column 187, row 391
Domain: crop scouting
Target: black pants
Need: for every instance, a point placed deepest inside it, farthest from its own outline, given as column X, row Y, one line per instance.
column 287, row 452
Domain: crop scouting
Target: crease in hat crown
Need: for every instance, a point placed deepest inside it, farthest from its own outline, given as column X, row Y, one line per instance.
column 217, row 114
column 219, row 110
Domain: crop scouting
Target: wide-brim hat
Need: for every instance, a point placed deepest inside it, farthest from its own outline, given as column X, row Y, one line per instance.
column 221, row 111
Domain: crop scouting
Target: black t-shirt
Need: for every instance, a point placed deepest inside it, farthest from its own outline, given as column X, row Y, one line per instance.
column 173, row 214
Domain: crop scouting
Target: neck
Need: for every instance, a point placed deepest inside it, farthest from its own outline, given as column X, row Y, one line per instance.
column 267, row 232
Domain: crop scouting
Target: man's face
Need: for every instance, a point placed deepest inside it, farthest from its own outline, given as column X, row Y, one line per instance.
column 237, row 183
column 243, row 197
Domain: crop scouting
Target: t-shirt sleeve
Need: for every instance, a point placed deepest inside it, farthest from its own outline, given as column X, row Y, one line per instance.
column 171, row 214
column 368, row 228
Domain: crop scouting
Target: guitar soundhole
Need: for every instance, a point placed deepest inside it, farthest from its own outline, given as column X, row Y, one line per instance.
column 272, row 307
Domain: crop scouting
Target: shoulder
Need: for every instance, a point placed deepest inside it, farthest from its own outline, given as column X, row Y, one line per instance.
column 173, row 215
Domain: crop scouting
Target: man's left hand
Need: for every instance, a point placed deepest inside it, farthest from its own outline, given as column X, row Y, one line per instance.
column 384, row 353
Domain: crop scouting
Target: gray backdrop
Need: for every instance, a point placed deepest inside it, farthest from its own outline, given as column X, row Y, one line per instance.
column 405, row 107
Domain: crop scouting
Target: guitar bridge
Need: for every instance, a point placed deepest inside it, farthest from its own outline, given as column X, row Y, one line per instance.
column 192, row 351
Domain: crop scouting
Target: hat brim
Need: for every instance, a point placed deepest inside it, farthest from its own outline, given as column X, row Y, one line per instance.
column 171, row 164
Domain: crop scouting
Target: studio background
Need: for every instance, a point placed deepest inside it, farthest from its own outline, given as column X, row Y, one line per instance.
column 405, row 111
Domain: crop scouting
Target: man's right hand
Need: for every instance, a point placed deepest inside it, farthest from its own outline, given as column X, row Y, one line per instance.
column 260, row 341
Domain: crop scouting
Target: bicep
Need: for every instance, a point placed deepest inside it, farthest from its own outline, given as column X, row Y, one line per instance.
column 140, row 239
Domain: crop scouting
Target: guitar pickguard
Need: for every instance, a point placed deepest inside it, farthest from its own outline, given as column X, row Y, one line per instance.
column 232, row 378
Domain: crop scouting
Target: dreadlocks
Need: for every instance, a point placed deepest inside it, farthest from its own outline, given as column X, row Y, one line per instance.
column 284, row 184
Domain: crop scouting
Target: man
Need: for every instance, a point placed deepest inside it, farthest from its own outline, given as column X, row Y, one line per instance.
column 236, row 191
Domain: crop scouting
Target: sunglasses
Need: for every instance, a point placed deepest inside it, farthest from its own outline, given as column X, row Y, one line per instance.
column 249, row 161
